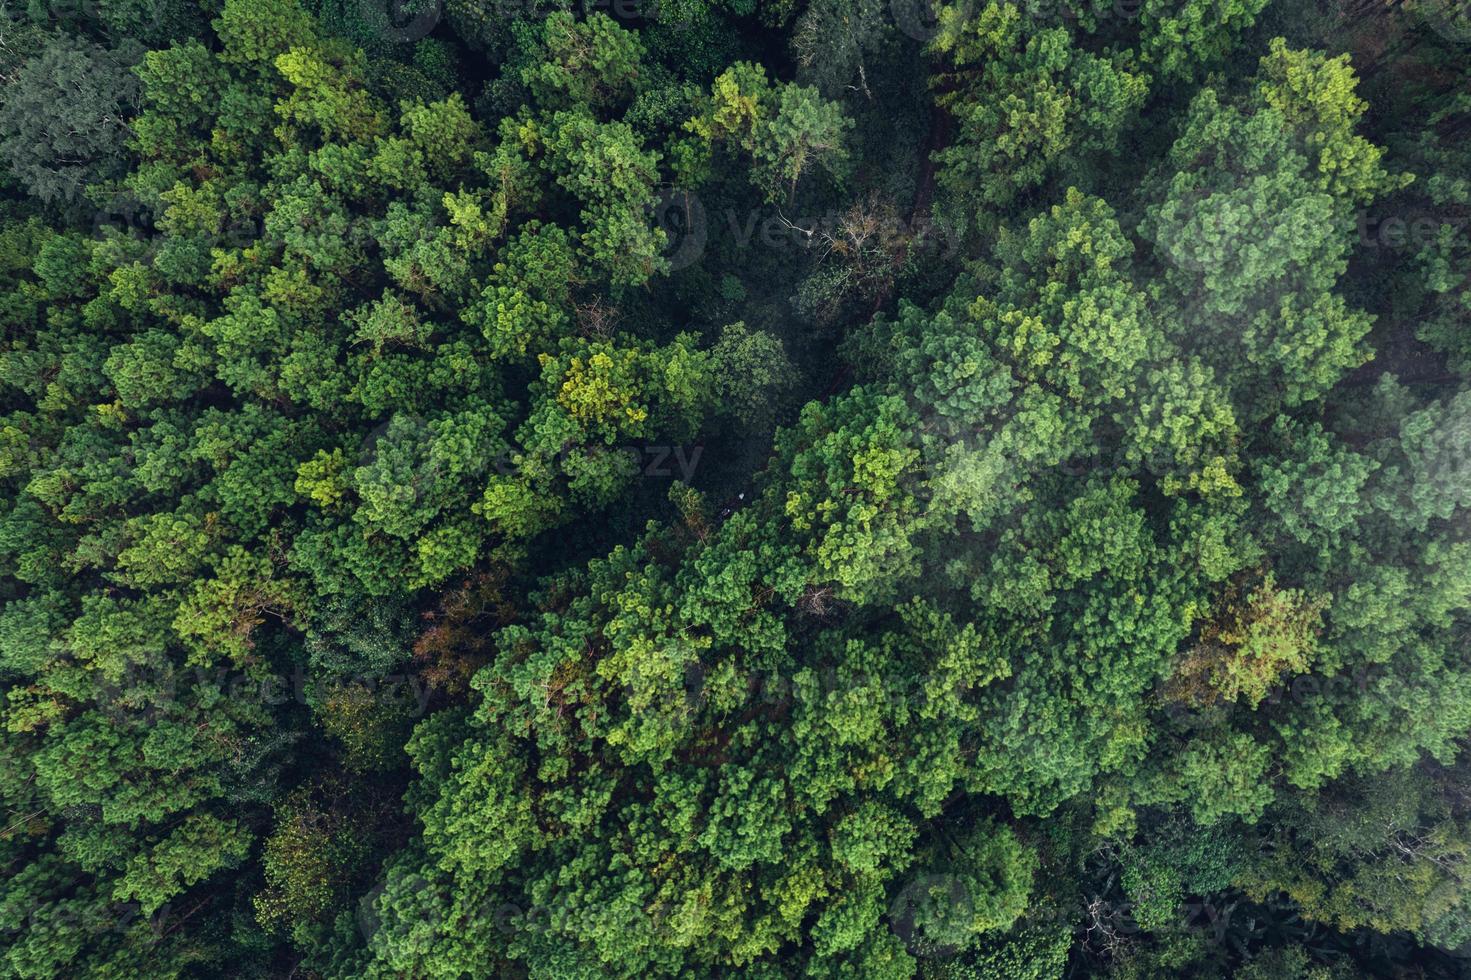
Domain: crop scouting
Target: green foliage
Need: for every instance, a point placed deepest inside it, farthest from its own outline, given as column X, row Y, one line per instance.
column 570, row 63
column 787, row 130
column 422, row 556
column 986, row 890
column 1393, row 859
column 63, row 119
column 1176, row 861
column 1024, row 954
column 1026, row 103
column 304, row 862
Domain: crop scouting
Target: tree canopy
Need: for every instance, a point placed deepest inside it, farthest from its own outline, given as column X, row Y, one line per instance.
column 778, row 489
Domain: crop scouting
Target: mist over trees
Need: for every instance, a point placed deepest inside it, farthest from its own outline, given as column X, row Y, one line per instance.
column 735, row 488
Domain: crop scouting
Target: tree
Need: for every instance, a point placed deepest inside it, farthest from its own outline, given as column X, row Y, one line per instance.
column 1029, row 601
column 802, row 132
column 1026, row 103
column 64, row 118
